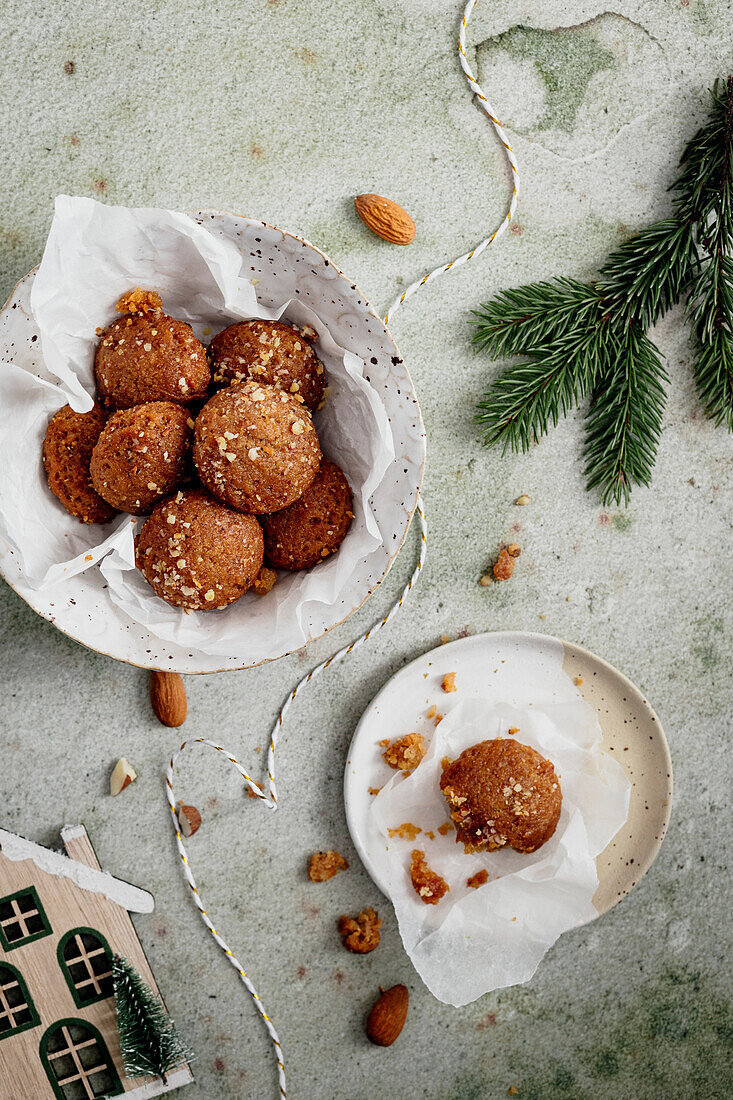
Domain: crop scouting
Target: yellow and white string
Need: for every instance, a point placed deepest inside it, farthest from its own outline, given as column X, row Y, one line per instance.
column 270, row 799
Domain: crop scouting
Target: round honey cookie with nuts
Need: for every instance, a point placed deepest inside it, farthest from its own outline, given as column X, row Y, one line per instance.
column 313, row 527
column 198, row 554
column 150, row 356
column 502, row 793
column 255, row 447
column 67, row 452
column 142, row 455
column 270, row 352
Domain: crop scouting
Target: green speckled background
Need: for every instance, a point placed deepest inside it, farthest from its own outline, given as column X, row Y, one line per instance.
column 285, row 109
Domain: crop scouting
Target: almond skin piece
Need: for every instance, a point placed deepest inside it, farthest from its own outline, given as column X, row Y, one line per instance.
column 189, row 819
column 168, row 698
column 385, row 218
column 388, row 1016
column 123, row 774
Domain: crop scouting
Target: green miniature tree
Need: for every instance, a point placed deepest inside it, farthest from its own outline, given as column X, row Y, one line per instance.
column 149, row 1042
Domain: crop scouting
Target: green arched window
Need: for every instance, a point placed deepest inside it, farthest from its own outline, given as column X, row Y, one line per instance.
column 77, row 1062
column 17, row 1011
column 86, row 961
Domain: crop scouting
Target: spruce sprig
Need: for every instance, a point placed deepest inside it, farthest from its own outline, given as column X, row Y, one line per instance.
column 149, row 1042
column 577, row 340
column 625, row 418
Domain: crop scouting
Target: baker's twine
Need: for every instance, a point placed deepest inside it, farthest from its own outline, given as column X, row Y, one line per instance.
column 509, row 152
column 270, row 799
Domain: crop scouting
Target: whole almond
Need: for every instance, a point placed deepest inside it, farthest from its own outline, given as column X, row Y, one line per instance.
column 385, row 218
column 168, row 698
column 388, row 1016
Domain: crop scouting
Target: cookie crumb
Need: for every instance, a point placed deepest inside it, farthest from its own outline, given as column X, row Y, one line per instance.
column 478, row 879
column 324, row 865
column 406, row 831
column 265, row 581
column 504, row 566
column 139, row 301
column 429, row 886
column 405, row 754
column 449, row 682
column 360, row 935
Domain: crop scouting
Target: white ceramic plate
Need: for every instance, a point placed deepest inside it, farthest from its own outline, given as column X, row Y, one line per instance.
column 632, row 735
column 285, row 266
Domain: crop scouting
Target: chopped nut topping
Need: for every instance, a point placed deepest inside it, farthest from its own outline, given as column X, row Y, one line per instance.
column 523, row 499
column 406, row 753
column 324, row 865
column 361, row 935
column 429, row 886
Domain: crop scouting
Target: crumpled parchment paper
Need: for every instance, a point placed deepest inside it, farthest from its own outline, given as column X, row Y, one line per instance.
column 477, row 940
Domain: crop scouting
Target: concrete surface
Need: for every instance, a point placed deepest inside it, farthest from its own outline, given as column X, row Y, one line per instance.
column 285, row 109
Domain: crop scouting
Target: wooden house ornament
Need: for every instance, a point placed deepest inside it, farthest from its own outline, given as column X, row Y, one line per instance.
column 61, row 921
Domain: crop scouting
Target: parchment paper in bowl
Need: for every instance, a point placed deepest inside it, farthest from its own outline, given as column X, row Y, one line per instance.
column 94, row 254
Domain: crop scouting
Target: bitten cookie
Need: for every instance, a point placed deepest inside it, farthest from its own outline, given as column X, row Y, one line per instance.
column 255, row 447
column 270, row 352
column 313, row 527
column 67, row 451
column 142, row 455
column 150, row 357
column 502, row 793
column 198, row 554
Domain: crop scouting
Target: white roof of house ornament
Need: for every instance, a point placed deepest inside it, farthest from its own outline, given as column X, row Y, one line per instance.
column 128, row 897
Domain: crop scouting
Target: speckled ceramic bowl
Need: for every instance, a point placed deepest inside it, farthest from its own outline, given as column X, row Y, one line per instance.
column 285, row 266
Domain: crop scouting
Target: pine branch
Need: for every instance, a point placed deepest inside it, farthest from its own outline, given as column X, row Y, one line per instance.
column 527, row 316
column 643, row 278
column 702, row 163
column 149, row 1042
column 710, row 306
column 625, row 419
column 529, row 396
column 576, row 339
